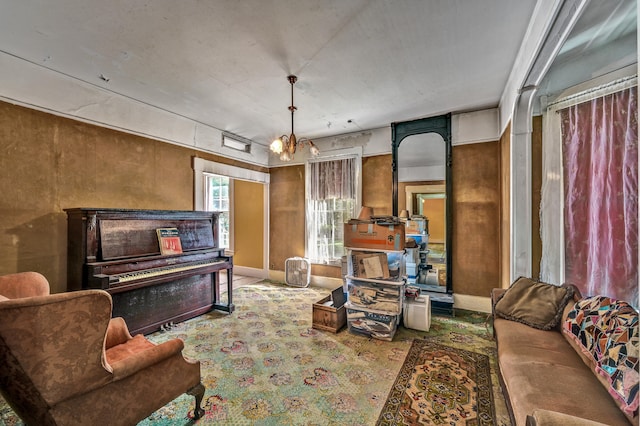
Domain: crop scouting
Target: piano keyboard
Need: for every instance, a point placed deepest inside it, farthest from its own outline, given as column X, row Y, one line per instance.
column 150, row 273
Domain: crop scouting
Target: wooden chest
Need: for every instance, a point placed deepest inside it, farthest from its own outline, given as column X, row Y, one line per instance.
column 329, row 318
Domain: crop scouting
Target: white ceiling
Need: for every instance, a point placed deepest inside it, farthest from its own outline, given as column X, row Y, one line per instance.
column 361, row 64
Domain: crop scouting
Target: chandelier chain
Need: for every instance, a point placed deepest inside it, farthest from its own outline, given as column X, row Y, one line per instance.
column 285, row 145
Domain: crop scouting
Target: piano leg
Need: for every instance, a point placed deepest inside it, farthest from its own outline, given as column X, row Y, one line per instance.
column 230, row 290
column 217, row 303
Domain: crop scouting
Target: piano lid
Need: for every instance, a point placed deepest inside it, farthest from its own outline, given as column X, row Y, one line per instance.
column 121, row 234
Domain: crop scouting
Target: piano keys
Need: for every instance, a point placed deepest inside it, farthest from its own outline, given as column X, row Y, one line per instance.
column 117, row 250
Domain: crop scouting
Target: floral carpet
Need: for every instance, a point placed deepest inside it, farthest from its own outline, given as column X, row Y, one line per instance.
column 264, row 364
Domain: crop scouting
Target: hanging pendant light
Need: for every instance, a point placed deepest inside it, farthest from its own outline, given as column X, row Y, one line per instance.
column 286, row 145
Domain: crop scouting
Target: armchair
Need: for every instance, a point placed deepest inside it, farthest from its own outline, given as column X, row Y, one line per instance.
column 65, row 361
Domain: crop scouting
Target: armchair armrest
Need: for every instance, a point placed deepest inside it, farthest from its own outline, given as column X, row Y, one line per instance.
column 138, row 353
column 117, row 333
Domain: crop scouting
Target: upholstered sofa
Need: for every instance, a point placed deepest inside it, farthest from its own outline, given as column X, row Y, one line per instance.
column 564, row 359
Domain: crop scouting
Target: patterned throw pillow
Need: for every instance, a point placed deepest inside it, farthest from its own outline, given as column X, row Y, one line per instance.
column 607, row 329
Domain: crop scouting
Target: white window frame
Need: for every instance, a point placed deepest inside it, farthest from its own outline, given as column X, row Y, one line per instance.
column 331, row 156
column 202, row 166
column 229, row 211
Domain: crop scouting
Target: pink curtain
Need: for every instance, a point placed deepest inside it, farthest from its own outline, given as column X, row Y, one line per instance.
column 600, row 160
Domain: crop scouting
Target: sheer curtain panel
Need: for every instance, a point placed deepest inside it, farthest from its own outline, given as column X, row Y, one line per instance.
column 600, row 169
column 332, row 197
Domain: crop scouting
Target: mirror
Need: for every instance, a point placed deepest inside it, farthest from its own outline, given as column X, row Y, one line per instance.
column 421, row 151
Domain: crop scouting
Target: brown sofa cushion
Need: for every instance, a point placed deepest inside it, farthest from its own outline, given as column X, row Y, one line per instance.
column 548, row 418
column 541, row 370
column 533, row 303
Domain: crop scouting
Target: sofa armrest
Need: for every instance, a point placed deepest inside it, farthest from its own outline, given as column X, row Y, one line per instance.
column 541, row 417
column 495, row 294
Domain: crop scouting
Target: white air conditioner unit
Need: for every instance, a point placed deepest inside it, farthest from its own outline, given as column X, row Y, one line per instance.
column 297, row 272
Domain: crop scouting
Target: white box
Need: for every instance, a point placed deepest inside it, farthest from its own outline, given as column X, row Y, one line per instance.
column 412, row 270
column 412, row 255
column 417, row 313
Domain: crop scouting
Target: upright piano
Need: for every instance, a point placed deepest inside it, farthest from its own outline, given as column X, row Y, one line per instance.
column 118, row 251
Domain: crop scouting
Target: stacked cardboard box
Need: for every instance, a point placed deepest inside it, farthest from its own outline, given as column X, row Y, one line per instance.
column 387, row 234
column 376, row 295
column 377, row 324
column 417, row 225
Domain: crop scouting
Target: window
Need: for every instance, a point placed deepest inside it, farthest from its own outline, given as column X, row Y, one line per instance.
column 204, row 173
column 589, row 197
column 332, row 198
column 217, row 200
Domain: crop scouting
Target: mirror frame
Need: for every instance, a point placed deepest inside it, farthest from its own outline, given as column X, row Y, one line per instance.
column 441, row 125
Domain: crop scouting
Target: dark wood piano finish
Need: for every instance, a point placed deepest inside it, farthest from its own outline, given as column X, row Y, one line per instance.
column 117, row 250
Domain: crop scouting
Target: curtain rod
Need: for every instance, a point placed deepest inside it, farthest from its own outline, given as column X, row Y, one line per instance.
column 624, row 83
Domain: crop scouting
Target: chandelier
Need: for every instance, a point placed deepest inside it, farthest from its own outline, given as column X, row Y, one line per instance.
column 286, row 145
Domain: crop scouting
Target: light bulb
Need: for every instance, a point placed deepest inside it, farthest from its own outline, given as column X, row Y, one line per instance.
column 285, row 156
column 276, row 146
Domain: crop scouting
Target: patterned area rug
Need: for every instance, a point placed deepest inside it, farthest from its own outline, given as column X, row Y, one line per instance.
column 440, row 385
column 265, row 365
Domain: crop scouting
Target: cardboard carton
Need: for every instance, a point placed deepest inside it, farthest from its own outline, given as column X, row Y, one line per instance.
column 370, row 265
column 374, row 235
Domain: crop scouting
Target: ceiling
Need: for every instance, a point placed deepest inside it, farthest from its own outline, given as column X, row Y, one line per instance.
column 361, row 64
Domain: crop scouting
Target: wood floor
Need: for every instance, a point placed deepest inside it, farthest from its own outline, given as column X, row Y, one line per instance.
column 238, row 281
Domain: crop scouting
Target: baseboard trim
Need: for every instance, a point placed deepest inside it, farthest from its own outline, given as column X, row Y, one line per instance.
column 316, row 280
column 472, row 303
column 460, row 301
column 250, row 272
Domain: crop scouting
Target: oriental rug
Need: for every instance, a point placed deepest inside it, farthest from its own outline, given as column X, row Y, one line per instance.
column 440, row 385
column 265, row 364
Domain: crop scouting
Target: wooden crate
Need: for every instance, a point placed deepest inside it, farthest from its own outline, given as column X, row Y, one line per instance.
column 328, row 318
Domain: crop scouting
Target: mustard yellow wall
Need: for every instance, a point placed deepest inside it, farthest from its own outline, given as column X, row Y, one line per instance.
column 248, row 233
column 434, row 210
column 505, row 220
column 536, row 188
column 49, row 163
column 287, row 218
column 536, row 195
column 286, row 215
column 476, row 218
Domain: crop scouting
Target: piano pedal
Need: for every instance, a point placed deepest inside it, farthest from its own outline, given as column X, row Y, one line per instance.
column 168, row 326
